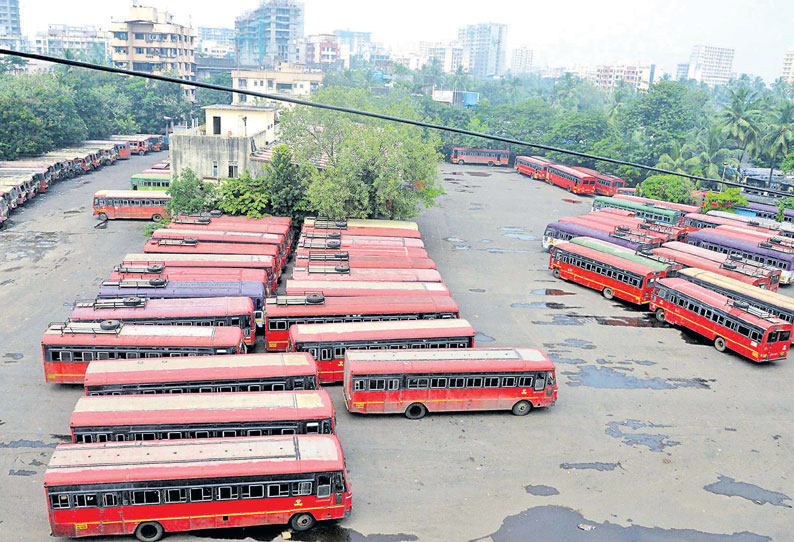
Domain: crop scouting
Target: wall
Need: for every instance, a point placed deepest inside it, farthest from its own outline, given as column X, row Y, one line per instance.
column 198, row 152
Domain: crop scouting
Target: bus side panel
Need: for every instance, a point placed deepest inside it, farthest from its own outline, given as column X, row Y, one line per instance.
column 64, row 373
column 276, row 341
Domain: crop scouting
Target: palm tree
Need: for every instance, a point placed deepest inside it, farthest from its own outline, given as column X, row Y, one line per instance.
column 741, row 118
column 710, row 150
column 677, row 158
column 780, row 138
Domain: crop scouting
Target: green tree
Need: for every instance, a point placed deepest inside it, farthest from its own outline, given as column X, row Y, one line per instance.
column 741, row 118
column 244, row 195
column 10, row 63
column 578, row 131
column 780, row 136
column 726, row 200
column 710, row 151
column 211, row 97
column 677, row 158
column 285, row 185
column 189, row 194
column 668, row 188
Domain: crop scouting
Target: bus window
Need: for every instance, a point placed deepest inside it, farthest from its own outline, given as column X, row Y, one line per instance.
column 540, row 381
column 323, row 486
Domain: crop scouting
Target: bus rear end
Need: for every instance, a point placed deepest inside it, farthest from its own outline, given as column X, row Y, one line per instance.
column 776, row 343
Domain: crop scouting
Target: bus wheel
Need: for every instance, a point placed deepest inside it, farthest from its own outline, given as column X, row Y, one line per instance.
column 719, row 344
column 102, row 216
column 157, row 217
column 555, row 272
column 490, row 164
column 302, row 522
column 415, row 411
column 608, row 293
column 151, row 531
column 461, row 163
column 522, row 408
column 660, row 315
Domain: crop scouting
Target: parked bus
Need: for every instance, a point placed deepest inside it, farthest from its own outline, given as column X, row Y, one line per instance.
column 3, row 211
column 329, row 342
column 757, row 252
column 653, row 212
column 329, row 228
column 118, row 418
column 23, row 183
column 68, row 347
column 414, row 382
column 284, row 312
column 610, row 275
column 756, row 235
column 757, row 335
column 355, row 289
column 644, row 238
column 138, row 145
column 533, row 166
column 10, row 196
column 210, row 261
column 332, row 247
column 785, row 229
column 220, row 236
column 223, row 274
column 346, row 273
column 668, row 268
column 558, row 232
column 220, row 224
column 350, row 242
column 361, row 261
column 570, row 179
column 150, row 488
column 197, row 311
column 765, row 211
column 605, row 185
column 150, row 181
column 722, row 264
column 320, row 222
column 40, row 175
column 781, row 306
column 637, row 225
column 194, row 246
column 122, row 147
column 167, row 289
column 491, row 157
column 113, row 204
column 659, row 203
column 203, row 374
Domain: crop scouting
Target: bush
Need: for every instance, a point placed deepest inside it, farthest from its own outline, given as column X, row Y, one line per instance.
column 670, row 188
column 189, row 194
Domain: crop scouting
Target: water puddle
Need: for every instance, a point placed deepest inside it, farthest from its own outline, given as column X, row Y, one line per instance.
column 521, row 236
column 592, row 466
column 655, row 442
column 541, row 305
column 477, row 290
column 28, row 444
column 14, row 355
column 559, row 523
column 454, row 239
column 322, row 532
column 511, row 228
column 574, row 201
column 730, row 487
column 573, row 319
column 542, row 491
column 20, row 472
column 550, row 291
column 478, row 174
column 482, row 337
column 461, row 247
column 593, row 376
column 556, row 358
column 508, row 251
column 456, row 173
column 485, row 241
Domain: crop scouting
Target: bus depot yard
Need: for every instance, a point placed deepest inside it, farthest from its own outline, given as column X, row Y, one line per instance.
column 656, row 435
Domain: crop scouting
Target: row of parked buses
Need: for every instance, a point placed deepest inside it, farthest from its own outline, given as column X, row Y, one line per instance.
column 575, row 179
column 21, row 180
column 364, row 306
column 716, row 274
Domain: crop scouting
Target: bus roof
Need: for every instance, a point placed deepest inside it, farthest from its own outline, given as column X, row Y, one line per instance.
column 370, row 223
column 196, row 307
column 628, row 204
column 568, row 170
column 201, row 368
column 131, row 194
column 151, row 176
column 168, row 246
column 615, row 261
column 182, row 288
column 129, row 334
column 363, row 305
column 446, row 360
column 761, row 294
column 369, row 274
column 161, row 409
column 213, row 235
column 355, row 288
column 735, row 242
column 597, row 174
column 345, row 240
column 366, row 231
column 539, row 159
column 392, row 329
column 620, row 252
column 212, row 224
column 660, row 203
column 118, row 462
column 368, row 261
column 204, row 258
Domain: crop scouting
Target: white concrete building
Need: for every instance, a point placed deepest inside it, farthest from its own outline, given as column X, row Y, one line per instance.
column 787, row 74
column 710, row 65
column 521, row 60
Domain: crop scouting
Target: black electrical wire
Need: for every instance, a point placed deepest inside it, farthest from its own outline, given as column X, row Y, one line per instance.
column 341, row 109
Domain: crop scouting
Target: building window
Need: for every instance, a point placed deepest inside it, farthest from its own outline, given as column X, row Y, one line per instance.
column 232, row 170
column 215, row 168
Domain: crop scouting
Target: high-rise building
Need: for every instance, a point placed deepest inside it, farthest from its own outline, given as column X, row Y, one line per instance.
column 10, row 30
column 788, row 67
column 638, row 76
column 270, row 34
column 357, row 42
column 221, row 36
column 681, row 72
column 710, row 65
column 88, row 42
column 521, row 60
column 448, row 56
column 149, row 40
column 484, row 48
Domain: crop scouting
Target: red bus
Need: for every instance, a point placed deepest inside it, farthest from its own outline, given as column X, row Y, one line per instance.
column 347, row 242
column 758, row 235
column 716, row 262
column 224, row 223
column 150, row 488
column 626, row 191
column 570, row 179
column 312, row 231
column 730, row 324
column 138, row 144
column 361, row 261
column 324, row 222
column 659, row 203
column 533, row 166
column 286, row 311
column 665, row 232
column 203, row 374
column 605, row 185
column 329, row 342
column 143, row 204
column 345, row 273
column 413, row 382
column 641, row 238
column 218, row 261
column 196, row 311
column 223, row 274
column 611, row 275
column 700, row 221
column 68, row 347
column 217, row 236
column 330, row 288
column 118, row 418
column 331, row 247
column 492, row 157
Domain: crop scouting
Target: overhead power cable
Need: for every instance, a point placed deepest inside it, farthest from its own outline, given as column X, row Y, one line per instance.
column 370, row 114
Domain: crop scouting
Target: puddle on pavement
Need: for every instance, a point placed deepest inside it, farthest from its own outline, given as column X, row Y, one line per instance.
column 593, row 376
column 328, row 531
column 456, row 173
column 454, row 239
column 550, row 291
column 654, row 441
column 508, row 251
column 485, row 241
column 28, row 245
column 521, row 236
column 541, row 490
column 573, row 319
column 482, row 337
column 461, row 247
column 511, row 228
column 559, row 523
column 590, row 466
column 542, row 305
column 20, row 472
column 556, row 358
column 574, row 201
column 478, row 174
column 22, row 443
column 730, row 487
column 477, row 290
column 16, row 356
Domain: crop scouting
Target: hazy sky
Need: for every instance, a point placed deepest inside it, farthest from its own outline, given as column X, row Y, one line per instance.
column 561, row 32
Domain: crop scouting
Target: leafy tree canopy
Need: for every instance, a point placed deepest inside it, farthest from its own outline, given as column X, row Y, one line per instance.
column 189, row 194
column 668, row 188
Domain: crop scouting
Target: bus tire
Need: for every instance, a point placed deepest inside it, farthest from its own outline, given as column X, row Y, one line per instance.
column 522, row 408
column 556, row 273
column 415, row 411
column 149, row 531
column 156, row 217
column 490, row 164
column 302, row 522
column 660, row 315
column 608, row 293
column 102, row 216
column 720, row 344
column 461, row 163
column 108, row 325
